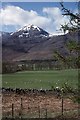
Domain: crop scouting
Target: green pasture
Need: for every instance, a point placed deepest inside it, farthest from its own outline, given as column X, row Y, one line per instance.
column 41, row 79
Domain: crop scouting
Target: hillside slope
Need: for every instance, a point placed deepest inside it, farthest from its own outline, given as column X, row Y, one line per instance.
column 33, row 43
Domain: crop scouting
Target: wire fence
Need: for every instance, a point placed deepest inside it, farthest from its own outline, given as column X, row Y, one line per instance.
column 37, row 111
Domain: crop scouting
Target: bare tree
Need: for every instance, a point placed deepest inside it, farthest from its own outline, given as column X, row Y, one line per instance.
column 74, row 19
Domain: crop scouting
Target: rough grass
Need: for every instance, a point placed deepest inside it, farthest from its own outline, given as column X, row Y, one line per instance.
column 41, row 79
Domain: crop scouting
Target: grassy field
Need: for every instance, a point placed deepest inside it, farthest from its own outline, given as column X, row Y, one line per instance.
column 40, row 79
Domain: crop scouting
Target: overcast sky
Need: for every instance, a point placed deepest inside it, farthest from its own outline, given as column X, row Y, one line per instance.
column 48, row 16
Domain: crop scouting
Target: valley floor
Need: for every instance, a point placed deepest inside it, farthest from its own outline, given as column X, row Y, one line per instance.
column 41, row 79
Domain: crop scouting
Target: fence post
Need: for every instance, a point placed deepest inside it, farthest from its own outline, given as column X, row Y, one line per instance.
column 39, row 110
column 12, row 110
column 62, row 105
column 46, row 113
column 21, row 108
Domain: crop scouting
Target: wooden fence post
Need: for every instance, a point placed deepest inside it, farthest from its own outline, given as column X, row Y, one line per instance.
column 39, row 110
column 46, row 113
column 62, row 106
column 21, row 108
column 12, row 110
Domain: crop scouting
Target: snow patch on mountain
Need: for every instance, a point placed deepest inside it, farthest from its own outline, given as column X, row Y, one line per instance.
column 28, row 28
column 20, row 36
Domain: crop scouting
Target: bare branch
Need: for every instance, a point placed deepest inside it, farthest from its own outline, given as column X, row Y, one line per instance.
column 68, row 12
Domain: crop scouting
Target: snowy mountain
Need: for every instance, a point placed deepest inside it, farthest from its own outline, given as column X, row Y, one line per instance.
column 24, row 39
column 30, row 30
column 34, row 43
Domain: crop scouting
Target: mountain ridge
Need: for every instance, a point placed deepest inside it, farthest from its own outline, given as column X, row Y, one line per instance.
column 35, row 44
